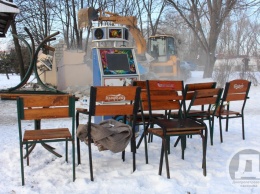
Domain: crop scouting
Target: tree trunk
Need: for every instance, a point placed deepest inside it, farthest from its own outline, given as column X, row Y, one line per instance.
column 208, row 71
column 18, row 51
column 6, row 72
column 79, row 45
column 87, row 38
column 211, row 49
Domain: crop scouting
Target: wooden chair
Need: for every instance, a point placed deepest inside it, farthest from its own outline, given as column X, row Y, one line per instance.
column 192, row 87
column 143, row 114
column 189, row 91
column 109, row 101
column 37, row 108
column 236, row 90
column 165, row 95
column 209, row 100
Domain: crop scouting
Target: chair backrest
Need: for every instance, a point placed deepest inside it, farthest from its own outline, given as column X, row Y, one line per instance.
column 236, row 90
column 143, row 96
column 114, row 100
column 205, row 97
column 36, row 107
column 192, row 87
column 164, row 95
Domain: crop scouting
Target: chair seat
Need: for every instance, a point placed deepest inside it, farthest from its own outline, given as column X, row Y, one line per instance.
column 159, row 132
column 227, row 112
column 200, row 114
column 179, row 125
column 146, row 116
column 197, row 112
column 60, row 133
column 175, row 114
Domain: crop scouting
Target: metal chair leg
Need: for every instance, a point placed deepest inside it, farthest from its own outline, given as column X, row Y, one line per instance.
column 140, row 140
column 145, row 144
column 30, row 150
column 168, row 144
column 134, row 162
column 78, row 143
column 220, row 130
column 123, row 155
column 166, row 158
column 161, row 159
column 73, row 160
column 27, row 154
column 227, row 120
column 90, row 161
column 78, row 151
column 177, row 141
column 204, row 163
column 21, row 160
column 183, row 145
column 51, row 150
column 211, row 129
column 66, row 151
column 243, row 128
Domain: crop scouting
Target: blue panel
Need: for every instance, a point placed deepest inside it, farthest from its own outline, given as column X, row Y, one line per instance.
column 96, row 70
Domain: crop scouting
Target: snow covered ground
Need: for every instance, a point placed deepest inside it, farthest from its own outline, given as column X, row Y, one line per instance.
column 49, row 174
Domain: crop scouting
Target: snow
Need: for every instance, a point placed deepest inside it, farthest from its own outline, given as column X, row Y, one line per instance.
column 49, row 174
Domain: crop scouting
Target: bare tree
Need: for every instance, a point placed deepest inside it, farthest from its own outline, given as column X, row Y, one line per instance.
column 239, row 35
column 90, row 3
column 154, row 10
column 63, row 15
column 18, row 51
column 214, row 13
column 187, row 46
column 38, row 16
column 75, row 26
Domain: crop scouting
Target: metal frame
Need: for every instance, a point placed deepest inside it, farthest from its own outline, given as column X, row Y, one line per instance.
column 33, row 67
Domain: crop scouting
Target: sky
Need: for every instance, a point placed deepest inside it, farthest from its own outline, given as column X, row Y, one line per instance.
column 49, row 174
